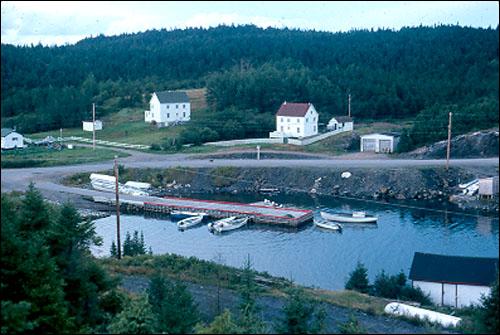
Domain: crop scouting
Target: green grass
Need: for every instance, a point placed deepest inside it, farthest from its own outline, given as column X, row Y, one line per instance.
column 43, row 156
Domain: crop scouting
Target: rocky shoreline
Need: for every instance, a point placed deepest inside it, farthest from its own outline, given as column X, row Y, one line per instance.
column 424, row 186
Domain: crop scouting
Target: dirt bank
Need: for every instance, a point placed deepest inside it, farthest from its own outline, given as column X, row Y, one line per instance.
column 414, row 185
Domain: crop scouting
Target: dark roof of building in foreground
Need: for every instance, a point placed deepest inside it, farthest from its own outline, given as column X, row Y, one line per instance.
column 293, row 109
column 168, row 97
column 7, row 131
column 343, row 118
column 453, row 269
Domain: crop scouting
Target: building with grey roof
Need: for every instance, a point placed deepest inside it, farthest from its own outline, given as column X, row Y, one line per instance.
column 168, row 108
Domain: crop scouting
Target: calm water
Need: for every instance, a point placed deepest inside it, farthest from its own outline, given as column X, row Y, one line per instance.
column 314, row 256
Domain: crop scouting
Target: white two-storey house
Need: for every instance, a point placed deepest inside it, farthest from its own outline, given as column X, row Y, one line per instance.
column 168, row 107
column 296, row 120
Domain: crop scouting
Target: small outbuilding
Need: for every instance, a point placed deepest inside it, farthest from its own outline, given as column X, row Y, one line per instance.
column 11, row 139
column 385, row 143
column 488, row 187
column 340, row 123
column 453, row 280
column 87, row 125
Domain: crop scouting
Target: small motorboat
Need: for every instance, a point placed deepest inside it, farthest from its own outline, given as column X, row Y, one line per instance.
column 179, row 215
column 190, row 222
column 328, row 225
column 227, row 224
column 354, row 217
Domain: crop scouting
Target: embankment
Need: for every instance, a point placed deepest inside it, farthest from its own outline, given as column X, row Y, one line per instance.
column 415, row 184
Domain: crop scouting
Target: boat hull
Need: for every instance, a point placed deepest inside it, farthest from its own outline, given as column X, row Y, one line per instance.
column 327, row 225
column 189, row 222
column 348, row 219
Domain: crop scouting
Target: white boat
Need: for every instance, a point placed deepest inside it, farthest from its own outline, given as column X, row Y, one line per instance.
column 328, row 225
column 355, row 217
column 227, row 224
column 179, row 215
column 190, row 221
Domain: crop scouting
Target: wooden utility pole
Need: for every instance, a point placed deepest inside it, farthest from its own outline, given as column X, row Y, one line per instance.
column 349, row 106
column 93, row 126
column 449, row 142
column 117, row 211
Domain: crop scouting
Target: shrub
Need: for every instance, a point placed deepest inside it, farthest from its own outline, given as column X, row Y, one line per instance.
column 358, row 279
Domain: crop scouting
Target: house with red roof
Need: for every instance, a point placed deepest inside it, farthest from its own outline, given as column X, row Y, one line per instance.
column 296, row 120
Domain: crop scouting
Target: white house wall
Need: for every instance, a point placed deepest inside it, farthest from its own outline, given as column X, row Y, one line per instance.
column 167, row 113
column 290, row 126
column 13, row 140
column 467, row 294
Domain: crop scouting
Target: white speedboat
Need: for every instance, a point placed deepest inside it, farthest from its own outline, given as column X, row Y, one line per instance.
column 354, row 217
column 328, row 225
column 227, row 224
column 190, row 222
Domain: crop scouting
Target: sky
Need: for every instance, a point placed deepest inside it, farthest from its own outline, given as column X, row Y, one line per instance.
column 66, row 22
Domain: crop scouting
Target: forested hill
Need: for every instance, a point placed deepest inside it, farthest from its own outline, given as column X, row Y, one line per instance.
column 390, row 74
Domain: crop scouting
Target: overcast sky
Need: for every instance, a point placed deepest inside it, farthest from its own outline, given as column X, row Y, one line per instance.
column 68, row 22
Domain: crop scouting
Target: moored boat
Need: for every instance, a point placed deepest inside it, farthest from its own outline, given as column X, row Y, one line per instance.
column 190, row 222
column 227, row 224
column 179, row 215
column 355, row 217
column 328, row 225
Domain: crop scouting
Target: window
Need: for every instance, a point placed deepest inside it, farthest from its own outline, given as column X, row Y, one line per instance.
column 288, row 120
column 298, row 120
column 314, row 128
column 168, row 106
column 184, row 114
column 282, row 128
column 314, row 118
column 168, row 115
column 177, row 106
column 298, row 129
column 307, row 119
column 183, row 106
column 288, row 127
column 177, row 114
column 281, row 119
column 14, row 138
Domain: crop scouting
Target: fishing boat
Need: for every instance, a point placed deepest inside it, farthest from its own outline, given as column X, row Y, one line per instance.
column 227, row 224
column 179, row 215
column 328, row 225
column 354, row 217
column 190, row 222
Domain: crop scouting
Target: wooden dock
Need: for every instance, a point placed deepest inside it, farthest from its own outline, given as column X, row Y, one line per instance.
column 257, row 213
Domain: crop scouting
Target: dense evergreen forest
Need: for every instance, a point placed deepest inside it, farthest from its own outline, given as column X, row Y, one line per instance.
column 414, row 72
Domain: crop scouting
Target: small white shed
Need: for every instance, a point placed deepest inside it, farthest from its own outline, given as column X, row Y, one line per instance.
column 87, row 125
column 453, row 280
column 11, row 139
column 488, row 187
column 340, row 123
column 385, row 143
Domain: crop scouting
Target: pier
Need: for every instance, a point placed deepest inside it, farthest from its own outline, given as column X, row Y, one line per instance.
column 257, row 213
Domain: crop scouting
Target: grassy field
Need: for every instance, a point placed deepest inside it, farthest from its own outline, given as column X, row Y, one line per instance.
column 43, row 156
column 128, row 126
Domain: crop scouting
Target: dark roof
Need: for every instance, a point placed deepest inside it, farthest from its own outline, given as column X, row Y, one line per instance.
column 453, row 269
column 168, row 97
column 392, row 133
column 7, row 131
column 293, row 109
column 343, row 118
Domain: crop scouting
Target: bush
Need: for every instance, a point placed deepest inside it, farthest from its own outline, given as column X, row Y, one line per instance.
column 395, row 287
column 358, row 279
column 155, row 147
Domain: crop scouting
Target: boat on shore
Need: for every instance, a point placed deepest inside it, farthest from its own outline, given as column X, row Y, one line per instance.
column 180, row 215
column 328, row 225
column 354, row 217
column 227, row 224
column 190, row 222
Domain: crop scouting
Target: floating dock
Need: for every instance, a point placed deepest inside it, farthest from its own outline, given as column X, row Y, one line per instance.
column 257, row 213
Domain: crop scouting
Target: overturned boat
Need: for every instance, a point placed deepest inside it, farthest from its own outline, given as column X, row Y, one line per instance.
column 227, row 224
column 190, row 222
